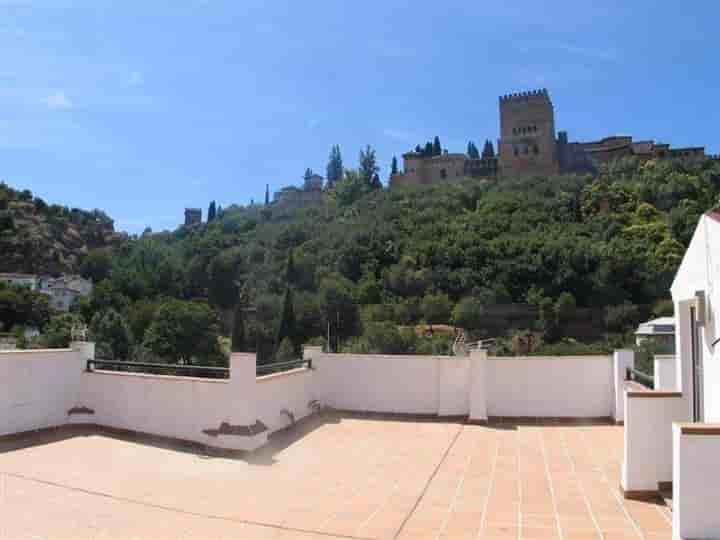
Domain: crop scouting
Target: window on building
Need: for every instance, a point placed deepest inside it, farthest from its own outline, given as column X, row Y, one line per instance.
column 536, row 150
column 443, row 173
column 525, row 149
column 515, row 150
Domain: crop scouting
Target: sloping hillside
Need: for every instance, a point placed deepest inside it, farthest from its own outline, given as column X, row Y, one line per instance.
column 39, row 238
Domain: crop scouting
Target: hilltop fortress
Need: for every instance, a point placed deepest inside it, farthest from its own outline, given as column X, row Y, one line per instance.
column 529, row 146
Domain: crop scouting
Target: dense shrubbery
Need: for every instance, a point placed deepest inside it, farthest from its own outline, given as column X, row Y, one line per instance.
column 432, row 254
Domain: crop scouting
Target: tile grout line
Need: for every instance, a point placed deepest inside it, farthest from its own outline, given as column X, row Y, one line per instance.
column 551, row 485
column 429, row 481
column 483, row 521
column 355, row 494
column 615, row 492
column 179, row 510
column 458, row 489
column 581, row 486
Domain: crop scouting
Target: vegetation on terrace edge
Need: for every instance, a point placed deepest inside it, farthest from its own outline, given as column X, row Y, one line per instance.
column 368, row 264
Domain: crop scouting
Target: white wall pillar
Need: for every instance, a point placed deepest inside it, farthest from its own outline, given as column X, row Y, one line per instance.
column 242, row 388
column 664, row 372
column 311, row 351
column 478, row 386
column 696, row 492
column 622, row 359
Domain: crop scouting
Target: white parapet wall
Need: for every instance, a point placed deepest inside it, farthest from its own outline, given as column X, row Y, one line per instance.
column 215, row 412
column 477, row 386
column 648, row 460
column 550, row 386
column 281, row 399
column 379, row 383
column 665, row 372
column 696, row 490
column 37, row 388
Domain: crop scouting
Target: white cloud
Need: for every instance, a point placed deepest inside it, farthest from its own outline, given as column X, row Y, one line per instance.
column 58, row 100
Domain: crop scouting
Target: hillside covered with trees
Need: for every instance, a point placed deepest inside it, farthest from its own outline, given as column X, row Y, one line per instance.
column 368, row 262
column 41, row 238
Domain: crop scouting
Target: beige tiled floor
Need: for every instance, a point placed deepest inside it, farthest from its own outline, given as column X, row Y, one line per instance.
column 335, row 477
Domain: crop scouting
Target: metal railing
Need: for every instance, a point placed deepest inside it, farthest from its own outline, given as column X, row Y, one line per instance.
column 277, row 367
column 154, row 368
column 633, row 374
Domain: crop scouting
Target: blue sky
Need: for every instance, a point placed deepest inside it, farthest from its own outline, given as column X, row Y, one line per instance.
column 144, row 108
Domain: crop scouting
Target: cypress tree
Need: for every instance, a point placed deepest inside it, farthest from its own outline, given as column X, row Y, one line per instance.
column 436, row 147
column 428, row 149
column 211, row 212
column 267, row 194
column 375, row 182
column 287, row 328
column 238, row 331
column 394, row 166
column 488, row 150
column 418, row 149
column 290, row 273
column 334, row 166
column 473, row 151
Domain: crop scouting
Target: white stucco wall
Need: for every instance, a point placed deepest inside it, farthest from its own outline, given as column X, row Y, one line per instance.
column 648, row 453
column 696, row 491
column 622, row 359
column 378, row 383
column 176, row 407
column 700, row 271
column 37, row 388
column 664, row 372
column 291, row 391
column 557, row 386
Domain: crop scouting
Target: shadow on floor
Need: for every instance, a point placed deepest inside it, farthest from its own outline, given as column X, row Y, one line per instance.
column 277, row 442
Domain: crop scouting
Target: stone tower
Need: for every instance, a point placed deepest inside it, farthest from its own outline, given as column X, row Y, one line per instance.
column 527, row 135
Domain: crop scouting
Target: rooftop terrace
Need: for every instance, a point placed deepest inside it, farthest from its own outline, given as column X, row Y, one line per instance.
column 331, row 475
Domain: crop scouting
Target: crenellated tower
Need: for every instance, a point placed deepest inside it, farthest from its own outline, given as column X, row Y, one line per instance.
column 527, row 143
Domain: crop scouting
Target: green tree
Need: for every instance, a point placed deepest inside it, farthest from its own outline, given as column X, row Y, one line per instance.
column 185, row 332
column 267, row 194
column 468, row 313
column 111, row 334
column 238, row 332
column 394, row 167
column 428, row 149
column 288, row 324
column 488, row 150
column 368, row 165
column 58, row 332
column 334, row 167
column 436, row 146
column 211, row 212
column 565, row 307
column 224, row 272
column 96, row 266
column 436, row 308
column 472, row 151
column 286, row 351
column 337, row 298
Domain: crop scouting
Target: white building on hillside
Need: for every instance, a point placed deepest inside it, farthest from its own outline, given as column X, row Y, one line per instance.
column 661, row 331
column 64, row 290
